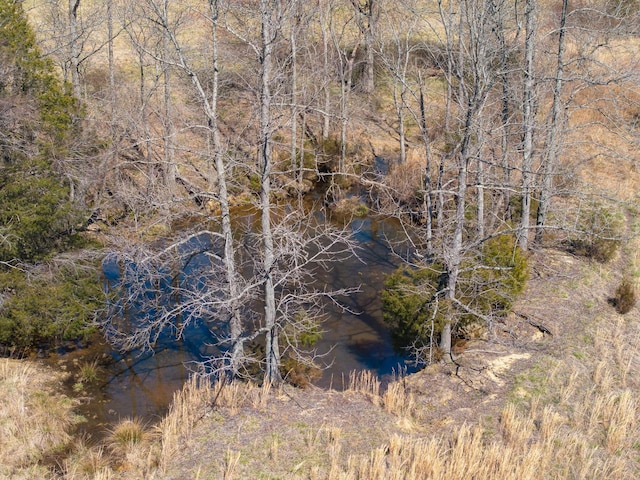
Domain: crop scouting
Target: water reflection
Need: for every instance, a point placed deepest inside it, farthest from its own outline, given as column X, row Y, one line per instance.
column 142, row 384
column 361, row 339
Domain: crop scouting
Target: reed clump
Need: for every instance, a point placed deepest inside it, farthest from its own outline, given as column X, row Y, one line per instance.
column 365, row 383
column 132, row 445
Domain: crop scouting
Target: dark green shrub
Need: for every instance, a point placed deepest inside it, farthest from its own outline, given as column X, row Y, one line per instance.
column 600, row 234
column 35, row 212
column 413, row 299
column 625, row 297
column 413, row 304
column 44, row 309
column 490, row 283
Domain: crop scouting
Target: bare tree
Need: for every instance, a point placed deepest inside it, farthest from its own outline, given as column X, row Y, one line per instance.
column 402, row 28
column 269, row 15
column 231, row 287
column 472, row 79
column 528, row 122
column 554, row 131
column 366, row 17
column 169, row 168
column 71, row 34
column 346, row 58
column 281, row 246
column 75, row 51
column 324, row 19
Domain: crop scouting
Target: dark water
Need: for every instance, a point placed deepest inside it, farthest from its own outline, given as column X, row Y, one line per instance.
column 361, row 341
column 142, row 384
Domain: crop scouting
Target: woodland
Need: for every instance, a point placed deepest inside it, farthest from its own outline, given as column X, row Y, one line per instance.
column 507, row 131
column 121, row 123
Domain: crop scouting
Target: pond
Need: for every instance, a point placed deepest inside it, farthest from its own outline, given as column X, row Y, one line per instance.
column 142, row 384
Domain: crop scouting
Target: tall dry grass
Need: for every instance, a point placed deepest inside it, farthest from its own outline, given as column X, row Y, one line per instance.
column 531, row 446
column 580, row 420
column 34, row 420
column 194, row 402
column 583, row 425
column 396, row 398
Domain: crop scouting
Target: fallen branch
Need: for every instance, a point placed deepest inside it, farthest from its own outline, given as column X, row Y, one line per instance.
column 531, row 321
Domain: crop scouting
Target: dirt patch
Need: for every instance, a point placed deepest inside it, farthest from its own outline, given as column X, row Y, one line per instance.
column 502, row 365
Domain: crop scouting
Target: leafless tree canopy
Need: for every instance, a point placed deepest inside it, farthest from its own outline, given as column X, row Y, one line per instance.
column 211, row 116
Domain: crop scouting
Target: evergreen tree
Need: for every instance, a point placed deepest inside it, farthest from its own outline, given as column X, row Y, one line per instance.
column 38, row 118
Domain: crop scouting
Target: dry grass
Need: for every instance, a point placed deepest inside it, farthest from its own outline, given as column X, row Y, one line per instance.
column 88, row 463
column 34, row 420
column 365, row 383
column 532, row 444
column 187, row 407
column 397, row 399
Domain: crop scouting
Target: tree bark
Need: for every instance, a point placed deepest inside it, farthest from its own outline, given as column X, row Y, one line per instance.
column 169, row 170
column 325, row 15
column 366, row 18
column 427, row 200
column 527, row 124
column 272, row 349
column 210, row 107
column 235, row 321
column 293, row 42
column 453, row 257
column 554, row 132
column 480, row 188
column 75, row 50
column 345, row 66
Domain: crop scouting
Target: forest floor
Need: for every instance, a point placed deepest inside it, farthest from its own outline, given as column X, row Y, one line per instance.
column 529, row 396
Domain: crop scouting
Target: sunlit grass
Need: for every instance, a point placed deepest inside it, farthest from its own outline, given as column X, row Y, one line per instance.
column 34, row 421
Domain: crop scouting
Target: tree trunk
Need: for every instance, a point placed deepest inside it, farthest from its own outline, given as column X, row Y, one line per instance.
column 75, row 49
column 145, row 144
column 453, row 257
column 427, row 200
column 447, row 22
column 293, row 34
column 504, row 117
column 325, row 14
column 399, row 94
column 366, row 18
column 528, row 125
column 235, row 321
column 169, row 168
column 115, row 142
column 112, row 68
column 480, row 199
column 346, row 70
column 210, row 108
column 272, row 350
column 554, row 132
